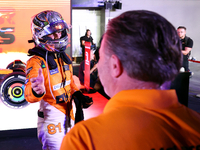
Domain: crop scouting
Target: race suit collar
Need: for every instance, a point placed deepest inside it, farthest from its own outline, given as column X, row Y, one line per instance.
column 51, row 62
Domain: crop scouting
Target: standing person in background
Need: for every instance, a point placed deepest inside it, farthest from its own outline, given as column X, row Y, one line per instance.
column 140, row 55
column 93, row 70
column 86, row 38
column 95, row 82
column 49, row 79
column 187, row 44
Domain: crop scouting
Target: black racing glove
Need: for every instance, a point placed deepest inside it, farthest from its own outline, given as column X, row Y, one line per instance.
column 86, row 101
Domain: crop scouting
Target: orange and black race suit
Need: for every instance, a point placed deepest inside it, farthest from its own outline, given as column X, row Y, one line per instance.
column 58, row 82
column 56, row 103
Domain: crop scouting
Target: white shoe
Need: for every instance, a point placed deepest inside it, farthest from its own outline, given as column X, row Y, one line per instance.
column 182, row 69
column 198, row 95
column 191, row 74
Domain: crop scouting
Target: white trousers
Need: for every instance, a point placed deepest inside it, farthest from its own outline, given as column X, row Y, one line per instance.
column 51, row 128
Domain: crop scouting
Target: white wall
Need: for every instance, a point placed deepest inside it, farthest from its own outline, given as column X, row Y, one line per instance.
column 178, row 12
column 83, row 19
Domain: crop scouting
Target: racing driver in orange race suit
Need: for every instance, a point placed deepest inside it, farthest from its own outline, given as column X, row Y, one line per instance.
column 49, row 79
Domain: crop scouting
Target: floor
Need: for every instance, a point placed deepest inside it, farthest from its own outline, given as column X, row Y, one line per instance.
column 194, row 87
column 27, row 139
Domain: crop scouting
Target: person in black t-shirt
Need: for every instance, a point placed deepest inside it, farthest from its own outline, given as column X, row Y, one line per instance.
column 87, row 37
column 93, row 70
column 187, row 44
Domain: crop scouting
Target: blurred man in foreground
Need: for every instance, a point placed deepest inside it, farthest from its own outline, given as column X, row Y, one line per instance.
column 139, row 57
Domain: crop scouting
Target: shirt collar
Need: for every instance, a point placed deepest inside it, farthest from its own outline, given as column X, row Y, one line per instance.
column 151, row 98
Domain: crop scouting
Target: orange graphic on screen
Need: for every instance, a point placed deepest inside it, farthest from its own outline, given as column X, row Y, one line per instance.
column 7, row 15
column 7, row 31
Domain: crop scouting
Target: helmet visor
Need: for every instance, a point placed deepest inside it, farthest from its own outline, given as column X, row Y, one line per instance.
column 53, row 27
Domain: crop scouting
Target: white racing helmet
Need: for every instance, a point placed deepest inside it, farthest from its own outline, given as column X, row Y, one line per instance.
column 48, row 22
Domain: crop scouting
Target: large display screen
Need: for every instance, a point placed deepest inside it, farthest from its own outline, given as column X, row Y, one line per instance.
column 15, row 31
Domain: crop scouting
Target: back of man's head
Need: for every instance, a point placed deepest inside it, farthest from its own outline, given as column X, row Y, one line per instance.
column 146, row 44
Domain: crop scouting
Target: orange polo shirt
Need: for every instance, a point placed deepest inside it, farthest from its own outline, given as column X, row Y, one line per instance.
column 138, row 120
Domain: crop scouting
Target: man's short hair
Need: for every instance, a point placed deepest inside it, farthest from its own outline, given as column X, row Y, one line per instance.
column 181, row 27
column 147, row 45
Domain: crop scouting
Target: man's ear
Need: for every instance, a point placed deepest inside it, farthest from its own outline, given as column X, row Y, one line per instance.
column 116, row 66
